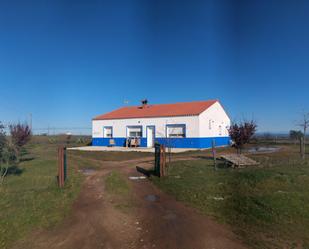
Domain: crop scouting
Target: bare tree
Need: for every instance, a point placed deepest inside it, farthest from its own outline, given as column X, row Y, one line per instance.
column 242, row 133
column 304, row 124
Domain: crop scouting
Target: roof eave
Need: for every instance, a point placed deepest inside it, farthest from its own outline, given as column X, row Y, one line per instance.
column 168, row 116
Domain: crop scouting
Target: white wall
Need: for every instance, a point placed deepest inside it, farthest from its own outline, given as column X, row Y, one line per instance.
column 196, row 126
column 119, row 125
column 218, row 117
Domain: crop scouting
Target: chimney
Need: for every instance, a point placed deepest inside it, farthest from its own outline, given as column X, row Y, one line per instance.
column 144, row 103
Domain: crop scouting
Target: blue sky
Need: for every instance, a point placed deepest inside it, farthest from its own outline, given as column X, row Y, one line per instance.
column 67, row 61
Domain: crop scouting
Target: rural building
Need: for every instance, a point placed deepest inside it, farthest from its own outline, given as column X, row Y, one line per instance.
column 179, row 125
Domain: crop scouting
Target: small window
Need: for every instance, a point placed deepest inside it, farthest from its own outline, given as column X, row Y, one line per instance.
column 220, row 130
column 108, row 132
column 209, row 125
column 135, row 131
column 176, row 131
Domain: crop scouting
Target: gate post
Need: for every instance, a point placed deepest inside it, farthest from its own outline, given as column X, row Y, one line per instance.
column 62, row 166
column 157, row 159
column 160, row 160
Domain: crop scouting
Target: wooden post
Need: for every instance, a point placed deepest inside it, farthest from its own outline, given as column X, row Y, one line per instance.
column 64, row 164
column 61, row 167
column 157, row 159
column 214, row 153
column 160, row 160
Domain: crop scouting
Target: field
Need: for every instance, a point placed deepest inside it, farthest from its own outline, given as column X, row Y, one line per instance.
column 31, row 199
column 267, row 206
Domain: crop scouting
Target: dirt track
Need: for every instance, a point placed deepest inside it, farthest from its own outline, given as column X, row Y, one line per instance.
column 163, row 223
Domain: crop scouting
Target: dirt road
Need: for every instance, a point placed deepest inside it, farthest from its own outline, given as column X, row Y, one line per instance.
column 155, row 221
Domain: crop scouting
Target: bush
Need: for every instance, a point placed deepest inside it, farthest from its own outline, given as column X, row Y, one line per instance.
column 21, row 134
column 9, row 159
column 8, row 155
column 242, row 133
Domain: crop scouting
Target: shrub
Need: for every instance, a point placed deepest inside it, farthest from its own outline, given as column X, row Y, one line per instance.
column 242, row 133
column 9, row 159
column 21, row 134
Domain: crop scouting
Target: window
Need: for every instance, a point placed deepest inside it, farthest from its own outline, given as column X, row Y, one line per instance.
column 135, row 131
column 220, row 130
column 209, row 125
column 108, row 132
column 175, row 131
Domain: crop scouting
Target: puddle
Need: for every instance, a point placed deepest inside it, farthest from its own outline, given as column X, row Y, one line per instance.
column 151, row 198
column 88, row 171
column 134, row 178
column 263, row 149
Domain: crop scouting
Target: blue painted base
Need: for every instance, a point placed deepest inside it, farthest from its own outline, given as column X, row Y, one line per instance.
column 188, row 142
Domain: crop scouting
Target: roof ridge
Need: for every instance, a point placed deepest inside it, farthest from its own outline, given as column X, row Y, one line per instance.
column 175, row 103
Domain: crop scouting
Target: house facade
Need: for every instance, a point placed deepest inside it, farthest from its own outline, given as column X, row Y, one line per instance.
column 179, row 125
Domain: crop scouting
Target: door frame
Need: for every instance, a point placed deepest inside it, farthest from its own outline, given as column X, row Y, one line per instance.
column 154, row 135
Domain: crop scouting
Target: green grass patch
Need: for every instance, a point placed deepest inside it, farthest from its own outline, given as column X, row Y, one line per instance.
column 119, row 190
column 32, row 200
column 116, row 184
column 267, row 206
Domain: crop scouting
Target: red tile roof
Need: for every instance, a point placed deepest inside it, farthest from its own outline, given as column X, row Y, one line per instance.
column 163, row 110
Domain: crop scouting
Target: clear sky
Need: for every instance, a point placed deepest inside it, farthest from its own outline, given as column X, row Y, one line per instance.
column 67, row 61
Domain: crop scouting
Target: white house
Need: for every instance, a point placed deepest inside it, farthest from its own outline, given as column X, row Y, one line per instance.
column 179, row 125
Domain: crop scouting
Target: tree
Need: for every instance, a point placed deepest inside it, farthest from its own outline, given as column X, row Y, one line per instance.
column 8, row 154
column 20, row 135
column 296, row 135
column 304, row 124
column 2, row 139
column 9, row 158
column 241, row 133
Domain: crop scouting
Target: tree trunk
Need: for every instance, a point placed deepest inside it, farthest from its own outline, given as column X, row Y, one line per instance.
column 304, row 143
column 301, row 143
column 4, row 174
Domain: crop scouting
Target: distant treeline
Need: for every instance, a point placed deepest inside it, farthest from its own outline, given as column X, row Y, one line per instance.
column 275, row 138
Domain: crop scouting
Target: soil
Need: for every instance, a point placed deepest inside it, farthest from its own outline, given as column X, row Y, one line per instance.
column 155, row 220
